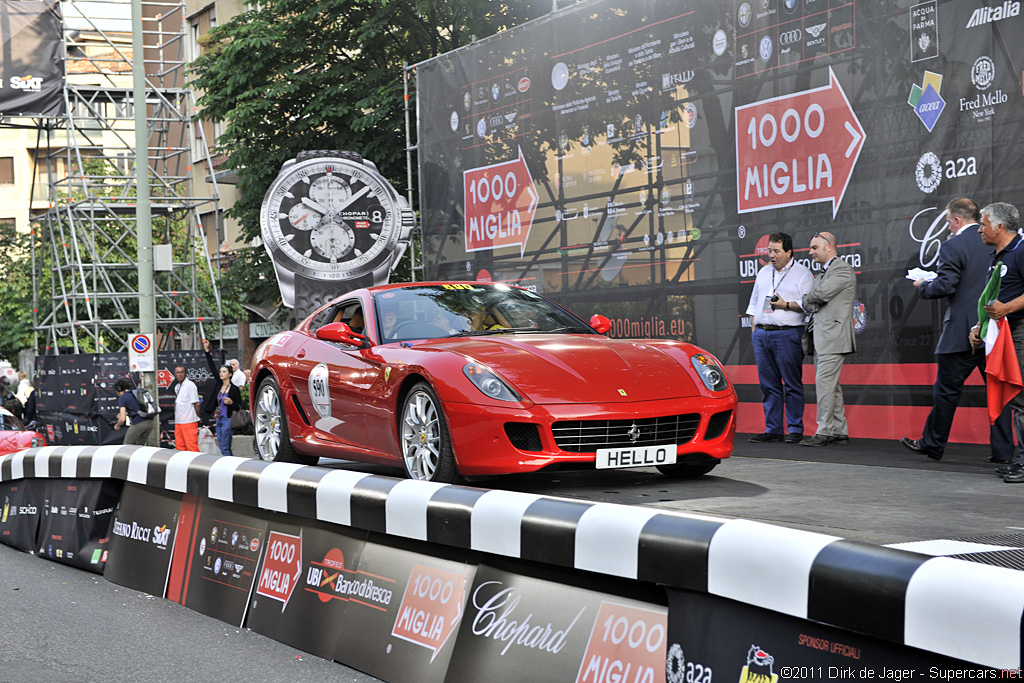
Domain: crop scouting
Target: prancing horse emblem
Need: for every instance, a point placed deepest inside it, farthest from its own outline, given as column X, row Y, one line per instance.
column 633, row 433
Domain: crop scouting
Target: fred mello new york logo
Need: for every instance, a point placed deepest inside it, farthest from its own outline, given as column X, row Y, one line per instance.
column 926, row 100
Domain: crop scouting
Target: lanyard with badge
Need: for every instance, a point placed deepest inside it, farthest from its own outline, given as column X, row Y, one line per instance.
column 767, row 308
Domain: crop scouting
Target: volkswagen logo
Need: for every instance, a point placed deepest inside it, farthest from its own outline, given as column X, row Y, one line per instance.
column 766, row 49
column 790, row 37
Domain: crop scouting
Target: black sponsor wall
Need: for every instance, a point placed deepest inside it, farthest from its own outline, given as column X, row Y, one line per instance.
column 77, row 404
column 74, row 527
column 712, row 637
column 666, row 140
column 32, row 71
column 142, row 537
column 23, row 502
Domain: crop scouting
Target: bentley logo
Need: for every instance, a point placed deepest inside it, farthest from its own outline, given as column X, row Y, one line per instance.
column 633, row 433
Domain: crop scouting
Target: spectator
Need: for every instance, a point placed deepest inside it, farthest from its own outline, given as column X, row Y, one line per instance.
column 237, row 376
column 130, row 412
column 186, row 412
column 999, row 225
column 229, row 399
column 830, row 303
column 777, row 323
column 963, row 263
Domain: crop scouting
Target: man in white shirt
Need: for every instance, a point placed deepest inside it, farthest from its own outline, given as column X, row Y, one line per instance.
column 237, row 376
column 777, row 324
column 186, row 412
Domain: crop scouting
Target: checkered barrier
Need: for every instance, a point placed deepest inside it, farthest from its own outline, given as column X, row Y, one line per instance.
column 961, row 609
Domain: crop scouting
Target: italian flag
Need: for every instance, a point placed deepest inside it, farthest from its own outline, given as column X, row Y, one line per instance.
column 1003, row 380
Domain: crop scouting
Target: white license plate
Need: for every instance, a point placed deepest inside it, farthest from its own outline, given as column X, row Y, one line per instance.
column 639, row 456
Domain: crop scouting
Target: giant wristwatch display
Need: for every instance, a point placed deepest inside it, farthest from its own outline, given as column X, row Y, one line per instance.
column 332, row 223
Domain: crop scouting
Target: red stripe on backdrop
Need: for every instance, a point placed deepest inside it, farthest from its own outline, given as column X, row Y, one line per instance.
column 880, row 374
column 879, row 422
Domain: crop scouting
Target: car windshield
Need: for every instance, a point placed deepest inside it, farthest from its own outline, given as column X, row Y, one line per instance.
column 9, row 423
column 468, row 310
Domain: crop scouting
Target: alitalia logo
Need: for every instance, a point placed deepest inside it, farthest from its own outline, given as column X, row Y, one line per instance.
column 987, row 15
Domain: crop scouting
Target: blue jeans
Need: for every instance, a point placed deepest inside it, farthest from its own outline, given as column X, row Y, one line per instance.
column 224, row 435
column 779, row 356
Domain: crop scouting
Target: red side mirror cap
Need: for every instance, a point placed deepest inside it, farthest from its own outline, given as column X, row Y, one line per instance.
column 600, row 323
column 342, row 334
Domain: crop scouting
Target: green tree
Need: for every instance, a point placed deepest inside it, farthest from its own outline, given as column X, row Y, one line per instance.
column 16, row 286
column 287, row 76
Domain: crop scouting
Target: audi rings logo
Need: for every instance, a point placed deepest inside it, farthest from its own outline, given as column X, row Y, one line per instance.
column 928, row 173
column 790, row 37
column 983, row 73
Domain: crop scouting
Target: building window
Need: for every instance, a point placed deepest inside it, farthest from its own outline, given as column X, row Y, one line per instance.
column 6, row 170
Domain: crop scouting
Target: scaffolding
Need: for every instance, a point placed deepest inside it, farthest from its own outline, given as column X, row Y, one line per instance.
column 85, row 274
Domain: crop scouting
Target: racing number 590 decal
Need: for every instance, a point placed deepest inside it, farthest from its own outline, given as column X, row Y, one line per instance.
column 319, row 390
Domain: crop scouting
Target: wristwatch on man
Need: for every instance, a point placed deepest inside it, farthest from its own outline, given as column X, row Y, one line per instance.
column 331, row 223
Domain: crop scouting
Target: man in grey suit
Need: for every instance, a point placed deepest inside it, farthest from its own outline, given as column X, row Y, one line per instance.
column 962, row 274
column 830, row 303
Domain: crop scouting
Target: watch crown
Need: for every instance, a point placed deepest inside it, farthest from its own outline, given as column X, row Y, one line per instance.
column 408, row 218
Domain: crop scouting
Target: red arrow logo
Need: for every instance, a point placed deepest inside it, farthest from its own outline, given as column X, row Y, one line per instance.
column 796, row 149
column 500, row 204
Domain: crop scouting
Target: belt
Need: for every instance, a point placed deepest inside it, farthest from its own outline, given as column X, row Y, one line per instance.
column 776, row 328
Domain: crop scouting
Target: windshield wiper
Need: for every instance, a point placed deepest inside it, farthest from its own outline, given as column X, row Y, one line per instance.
column 518, row 330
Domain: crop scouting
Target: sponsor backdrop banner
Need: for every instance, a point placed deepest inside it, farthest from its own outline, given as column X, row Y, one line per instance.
column 526, row 624
column 305, row 585
column 404, row 611
column 75, row 524
column 77, row 404
column 142, row 537
column 631, row 159
column 712, row 638
column 32, row 62
column 22, row 509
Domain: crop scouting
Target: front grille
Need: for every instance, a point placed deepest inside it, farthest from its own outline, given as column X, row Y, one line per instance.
column 586, row 436
column 717, row 425
column 523, row 435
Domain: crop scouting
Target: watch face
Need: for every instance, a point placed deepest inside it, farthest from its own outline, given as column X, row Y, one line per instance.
column 331, row 219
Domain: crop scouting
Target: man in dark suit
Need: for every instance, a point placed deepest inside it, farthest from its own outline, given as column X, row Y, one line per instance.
column 962, row 274
column 830, row 303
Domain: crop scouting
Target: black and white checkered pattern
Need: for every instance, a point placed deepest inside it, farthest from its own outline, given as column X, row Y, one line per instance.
column 966, row 610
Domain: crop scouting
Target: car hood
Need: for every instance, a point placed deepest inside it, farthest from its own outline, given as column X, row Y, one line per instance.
column 577, row 368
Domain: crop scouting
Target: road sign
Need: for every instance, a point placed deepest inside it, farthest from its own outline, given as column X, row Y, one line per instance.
column 796, row 149
column 140, row 353
column 500, row 203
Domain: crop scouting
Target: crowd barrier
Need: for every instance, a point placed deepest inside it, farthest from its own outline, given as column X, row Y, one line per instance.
column 414, row 581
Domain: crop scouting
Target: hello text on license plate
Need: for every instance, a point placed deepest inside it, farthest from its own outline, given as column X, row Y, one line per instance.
column 638, row 456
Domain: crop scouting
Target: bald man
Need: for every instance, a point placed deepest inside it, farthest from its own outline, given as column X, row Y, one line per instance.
column 830, row 303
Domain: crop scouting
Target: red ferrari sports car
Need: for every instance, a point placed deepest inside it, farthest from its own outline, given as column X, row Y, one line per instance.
column 14, row 436
column 455, row 379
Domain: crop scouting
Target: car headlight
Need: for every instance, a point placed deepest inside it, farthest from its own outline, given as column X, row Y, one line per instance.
column 38, row 442
column 489, row 383
column 711, row 373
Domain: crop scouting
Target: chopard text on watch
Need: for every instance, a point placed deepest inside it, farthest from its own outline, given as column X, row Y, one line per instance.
column 331, row 218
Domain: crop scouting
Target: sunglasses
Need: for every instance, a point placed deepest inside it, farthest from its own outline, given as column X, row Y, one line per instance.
column 818, row 234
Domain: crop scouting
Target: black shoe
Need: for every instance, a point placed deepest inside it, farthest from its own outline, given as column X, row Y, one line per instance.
column 840, row 440
column 765, row 438
column 911, row 445
column 1000, row 461
column 816, row 440
column 916, row 447
column 1015, row 477
column 794, row 437
column 1010, row 469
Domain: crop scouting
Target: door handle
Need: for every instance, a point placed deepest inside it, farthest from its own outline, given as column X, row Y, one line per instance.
column 301, row 353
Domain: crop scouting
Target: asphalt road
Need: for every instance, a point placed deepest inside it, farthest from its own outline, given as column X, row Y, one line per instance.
column 63, row 625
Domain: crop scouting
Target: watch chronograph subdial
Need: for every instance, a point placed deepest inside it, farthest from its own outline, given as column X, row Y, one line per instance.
column 333, row 240
column 303, row 217
column 330, row 191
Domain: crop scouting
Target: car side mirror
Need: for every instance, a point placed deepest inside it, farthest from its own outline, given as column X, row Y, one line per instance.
column 342, row 334
column 600, row 323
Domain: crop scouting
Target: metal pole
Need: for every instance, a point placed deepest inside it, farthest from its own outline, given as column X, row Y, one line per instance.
column 143, row 213
column 408, row 170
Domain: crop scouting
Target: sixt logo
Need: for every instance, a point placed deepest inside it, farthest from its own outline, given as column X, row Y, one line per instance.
column 988, row 15
column 27, row 83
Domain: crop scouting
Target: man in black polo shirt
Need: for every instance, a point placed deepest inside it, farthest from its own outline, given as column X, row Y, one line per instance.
column 999, row 224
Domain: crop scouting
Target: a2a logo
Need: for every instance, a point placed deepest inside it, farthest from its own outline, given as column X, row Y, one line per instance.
column 930, row 170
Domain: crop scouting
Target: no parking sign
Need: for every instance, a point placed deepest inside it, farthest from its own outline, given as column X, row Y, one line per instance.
column 140, row 353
